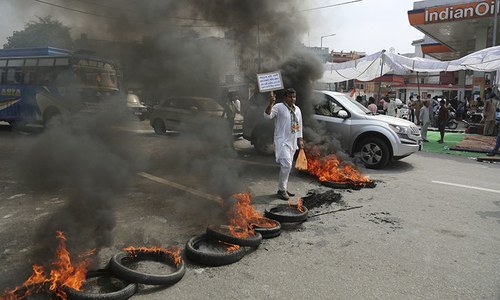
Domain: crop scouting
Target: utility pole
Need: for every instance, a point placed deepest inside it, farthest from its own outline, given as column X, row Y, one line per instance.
column 324, row 36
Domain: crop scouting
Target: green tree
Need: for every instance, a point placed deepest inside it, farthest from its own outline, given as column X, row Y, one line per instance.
column 41, row 33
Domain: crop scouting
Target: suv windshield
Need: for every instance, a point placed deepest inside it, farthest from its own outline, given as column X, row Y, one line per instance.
column 209, row 105
column 329, row 105
column 353, row 105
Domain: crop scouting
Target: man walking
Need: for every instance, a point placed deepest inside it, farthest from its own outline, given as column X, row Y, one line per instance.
column 425, row 120
column 287, row 136
column 489, row 115
column 442, row 119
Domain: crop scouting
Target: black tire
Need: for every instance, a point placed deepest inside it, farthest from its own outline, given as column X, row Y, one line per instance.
column 285, row 213
column 452, row 124
column 128, row 291
column 219, row 257
column 268, row 232
column 159, row 127
column 221, row 233
column 374, row 153
column 116, row 266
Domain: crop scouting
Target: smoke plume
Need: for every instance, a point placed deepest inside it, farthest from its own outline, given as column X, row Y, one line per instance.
column 172, row 48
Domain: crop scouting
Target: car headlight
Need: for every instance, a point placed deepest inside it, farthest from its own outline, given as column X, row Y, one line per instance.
column 400, row 130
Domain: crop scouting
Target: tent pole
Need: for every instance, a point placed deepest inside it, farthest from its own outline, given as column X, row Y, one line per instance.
column 381, row 72
column 418, row 85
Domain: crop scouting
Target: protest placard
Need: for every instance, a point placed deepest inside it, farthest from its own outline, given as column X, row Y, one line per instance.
column 270, row 81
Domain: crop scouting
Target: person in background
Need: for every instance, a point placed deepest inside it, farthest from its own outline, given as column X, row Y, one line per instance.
column 391, row 107
column 473, row 104
column 411, row 110
column 489, row 115
column 237, row 104
column 287, row 136
column 425, row 120
column 229, row 110
column 361, row 100
column 461, row 110
column 494, row 151
column 418, row 106
column 442, row 119
column 381, row 106
column 372, row 106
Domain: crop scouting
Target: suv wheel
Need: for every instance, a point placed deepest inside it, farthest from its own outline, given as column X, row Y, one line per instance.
column 159, row 127
column 374, row 153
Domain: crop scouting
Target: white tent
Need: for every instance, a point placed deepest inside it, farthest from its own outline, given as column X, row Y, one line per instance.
column 380, row 63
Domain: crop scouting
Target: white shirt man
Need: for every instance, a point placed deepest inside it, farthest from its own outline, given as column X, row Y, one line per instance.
column 287, row 136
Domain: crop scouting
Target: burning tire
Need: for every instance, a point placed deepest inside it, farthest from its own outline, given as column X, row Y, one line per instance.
column 261, row 226
column 208, row 251
column 286, row 213
column 126, row 292
column 119, row 269
column 222, row 233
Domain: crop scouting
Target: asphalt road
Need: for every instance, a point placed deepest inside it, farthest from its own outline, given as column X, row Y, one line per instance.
column 430, row 229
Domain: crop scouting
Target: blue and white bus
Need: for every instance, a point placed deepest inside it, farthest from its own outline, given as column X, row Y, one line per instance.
column 37, row 84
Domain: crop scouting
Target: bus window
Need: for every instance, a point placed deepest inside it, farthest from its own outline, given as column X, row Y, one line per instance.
column 14, row 76
column 30, row 62
column 46, row 62
column 30, row 77
column 62, row 61
column 2, row 76
column 15, row 63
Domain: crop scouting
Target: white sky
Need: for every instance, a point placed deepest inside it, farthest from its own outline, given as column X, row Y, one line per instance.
column 366, row 26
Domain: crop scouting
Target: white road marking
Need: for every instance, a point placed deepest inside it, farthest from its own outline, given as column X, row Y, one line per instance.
column 254, row 162
column 467, row 186
column 181, row 187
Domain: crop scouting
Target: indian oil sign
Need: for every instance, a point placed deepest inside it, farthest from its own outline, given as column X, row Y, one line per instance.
column 455, row 12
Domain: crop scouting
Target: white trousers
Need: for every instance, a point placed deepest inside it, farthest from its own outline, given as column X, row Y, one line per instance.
column 423, row 130
column 285, row 169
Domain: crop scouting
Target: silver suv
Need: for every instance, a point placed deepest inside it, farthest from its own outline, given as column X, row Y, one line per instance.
column 376, row 139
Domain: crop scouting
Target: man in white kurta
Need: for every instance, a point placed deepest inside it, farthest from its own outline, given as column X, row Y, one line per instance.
column 425, row 120
column 287, row 136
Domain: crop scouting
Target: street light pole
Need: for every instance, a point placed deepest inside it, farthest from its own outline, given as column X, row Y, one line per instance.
column 324, row 36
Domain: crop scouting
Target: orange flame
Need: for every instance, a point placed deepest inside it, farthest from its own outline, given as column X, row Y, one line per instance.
column 174, row 253
column 329, row 168
column 241, row 214
column 63, row 274
column 231, row 247
column 243, row 217
column 298, row 205
column 263, row 222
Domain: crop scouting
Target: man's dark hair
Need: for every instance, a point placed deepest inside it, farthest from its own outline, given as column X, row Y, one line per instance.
column 290, row 91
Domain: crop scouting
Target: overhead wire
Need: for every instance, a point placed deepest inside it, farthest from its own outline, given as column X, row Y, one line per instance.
column 118, row 18
column 169, row 17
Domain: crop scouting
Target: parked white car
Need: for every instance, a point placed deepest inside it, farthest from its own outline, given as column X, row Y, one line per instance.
column 137, row 108
column 376, row 139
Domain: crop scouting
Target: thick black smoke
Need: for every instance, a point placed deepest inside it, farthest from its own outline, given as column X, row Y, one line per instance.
column 171, row 55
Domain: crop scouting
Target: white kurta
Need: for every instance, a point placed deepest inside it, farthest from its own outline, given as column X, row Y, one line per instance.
column 285, row 142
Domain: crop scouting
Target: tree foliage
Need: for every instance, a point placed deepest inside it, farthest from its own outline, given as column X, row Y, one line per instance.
column 42, row 33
